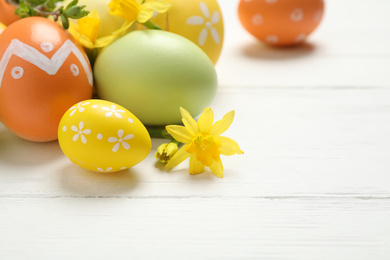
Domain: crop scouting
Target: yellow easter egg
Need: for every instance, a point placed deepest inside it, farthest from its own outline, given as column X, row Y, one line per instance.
column 200, row 21
column 102, row 136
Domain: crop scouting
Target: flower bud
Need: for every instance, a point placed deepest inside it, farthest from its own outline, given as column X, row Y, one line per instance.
column 165, row 152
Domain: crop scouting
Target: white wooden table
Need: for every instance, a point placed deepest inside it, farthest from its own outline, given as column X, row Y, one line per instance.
column 314, row 182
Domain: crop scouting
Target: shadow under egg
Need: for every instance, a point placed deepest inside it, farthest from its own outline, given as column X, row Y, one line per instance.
column 81, row 182
column 17, row 151
column 261, row 51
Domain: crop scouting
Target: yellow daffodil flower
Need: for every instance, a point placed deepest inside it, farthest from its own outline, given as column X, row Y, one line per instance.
column 202, row 142
column 86, row 31
column 166, row 151
column 136, row 10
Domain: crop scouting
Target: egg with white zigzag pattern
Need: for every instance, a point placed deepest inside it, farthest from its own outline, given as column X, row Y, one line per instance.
column 43, row 72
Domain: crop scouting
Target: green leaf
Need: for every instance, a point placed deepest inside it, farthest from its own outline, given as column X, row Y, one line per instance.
column 65, row 21
column 52, row 4
column 76, row 12
column 25, row 10
column 71, row 4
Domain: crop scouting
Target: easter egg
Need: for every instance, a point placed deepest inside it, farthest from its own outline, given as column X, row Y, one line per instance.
column 281, row 22
column 43, row 72
column 153, row 73
column 108, row 23
column 102, row 136
column 200, row 21
column 7, row 13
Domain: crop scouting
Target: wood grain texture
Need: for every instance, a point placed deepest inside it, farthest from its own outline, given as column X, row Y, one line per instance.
column 195, row 228
column 314, row 181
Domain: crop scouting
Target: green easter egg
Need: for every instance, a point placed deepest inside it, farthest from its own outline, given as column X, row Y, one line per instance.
column 152, row 73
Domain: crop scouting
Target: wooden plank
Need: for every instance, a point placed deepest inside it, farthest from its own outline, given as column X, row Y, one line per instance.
column 195, row 228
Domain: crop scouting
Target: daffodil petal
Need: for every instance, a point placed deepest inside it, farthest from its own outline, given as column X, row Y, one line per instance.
column 179, row 156
column 206, row 120
column 171, row 149
column 222, row 125
column 158, row 6
column 144, row 15
column 74, row 30
column 180, row 133
column 104, row 41
column 217, row 168
column 229, row 146
column 123, row 28
column 128, row 10
column 94, row 14
column 85, row 41
column 188, row 121
column 196, row 166
column 89, row 25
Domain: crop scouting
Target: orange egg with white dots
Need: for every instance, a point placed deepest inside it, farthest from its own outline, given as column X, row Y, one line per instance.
column 281, row 22
column 43, row 72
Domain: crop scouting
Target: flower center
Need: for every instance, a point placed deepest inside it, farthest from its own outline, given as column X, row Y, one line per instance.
column 206, row 148
column 208, row 25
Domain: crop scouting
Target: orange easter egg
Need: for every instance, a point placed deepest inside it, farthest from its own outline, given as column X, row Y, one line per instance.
column 7, row 13
column 43, row 72
column 280, row 22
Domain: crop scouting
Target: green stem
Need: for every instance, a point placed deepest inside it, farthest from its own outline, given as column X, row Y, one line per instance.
column 92, row 55
column 159, row 133
column 176, row 142
column 151, row 25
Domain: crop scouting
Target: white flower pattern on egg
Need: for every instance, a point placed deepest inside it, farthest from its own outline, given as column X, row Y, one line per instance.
column 78, row 107
column 80, row 132
column 109, row 169
column 113, row 111
column 120, row 140
column 208, row 22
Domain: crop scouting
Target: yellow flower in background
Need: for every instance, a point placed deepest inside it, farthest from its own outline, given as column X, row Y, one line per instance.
column 136, row 10
column 87, row 29
column 89, row 25
column 202, row 142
